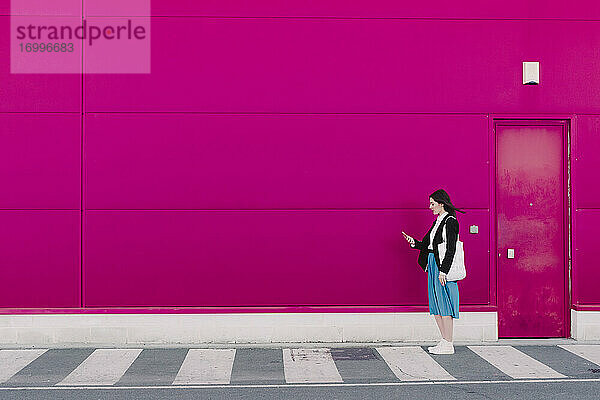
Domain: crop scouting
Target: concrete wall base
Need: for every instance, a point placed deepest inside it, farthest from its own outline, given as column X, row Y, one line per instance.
column 131, row 329
column 585, row 325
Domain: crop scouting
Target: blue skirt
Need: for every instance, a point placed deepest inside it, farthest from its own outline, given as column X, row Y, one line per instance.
column 443, row 300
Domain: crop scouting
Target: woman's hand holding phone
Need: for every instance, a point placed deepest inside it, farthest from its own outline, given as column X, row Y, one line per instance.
column 409, row 239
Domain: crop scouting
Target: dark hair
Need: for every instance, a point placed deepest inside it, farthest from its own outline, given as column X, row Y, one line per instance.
column 442, row 197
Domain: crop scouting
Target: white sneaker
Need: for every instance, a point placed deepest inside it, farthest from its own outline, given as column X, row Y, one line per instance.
column 437, row 346
column 445, row 347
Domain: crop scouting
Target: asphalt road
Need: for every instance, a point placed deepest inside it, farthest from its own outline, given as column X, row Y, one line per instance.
column 505, row 390
column 382, row 372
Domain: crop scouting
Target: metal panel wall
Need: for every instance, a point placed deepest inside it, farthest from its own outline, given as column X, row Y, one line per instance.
column 265, row 258
column 279, row 129
column 587, row 208
column 304, row 65
column 199, row 161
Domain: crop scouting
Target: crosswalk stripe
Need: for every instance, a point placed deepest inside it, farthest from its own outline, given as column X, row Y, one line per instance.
column 588, row 351
column 102, row 367
column 412, row 363
column 309, row 365
column 515, row 363
column 206, row 366
column 12, row 361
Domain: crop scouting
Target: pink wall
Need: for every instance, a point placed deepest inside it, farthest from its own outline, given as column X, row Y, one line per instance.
column 200, row 161
column 358, row 8
column 40, row 258
column 40, row 159
column 283, row 65
column 264, row 257
column 274, row 161
column 586, row 165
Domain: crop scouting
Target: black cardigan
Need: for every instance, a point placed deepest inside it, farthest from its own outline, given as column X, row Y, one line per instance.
column 451, row 237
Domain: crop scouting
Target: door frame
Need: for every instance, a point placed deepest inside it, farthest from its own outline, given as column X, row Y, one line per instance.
column 568, row 212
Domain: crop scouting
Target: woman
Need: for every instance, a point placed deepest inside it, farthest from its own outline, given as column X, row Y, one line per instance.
column 443, row 294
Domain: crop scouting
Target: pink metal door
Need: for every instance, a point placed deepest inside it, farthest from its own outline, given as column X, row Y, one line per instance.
column 530, row 222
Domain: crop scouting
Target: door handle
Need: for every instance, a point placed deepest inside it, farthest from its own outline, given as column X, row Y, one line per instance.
column 510, row 253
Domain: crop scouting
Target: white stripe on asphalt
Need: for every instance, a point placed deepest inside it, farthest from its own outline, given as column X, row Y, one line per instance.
column 206, row 366
column 412, row 363
column 309, row 365
column 588, row 351
column 12, row 361
column 515, row 363
column 102, row 367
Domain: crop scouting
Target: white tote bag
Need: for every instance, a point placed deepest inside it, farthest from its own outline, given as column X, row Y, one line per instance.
column 457, row 269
